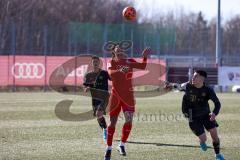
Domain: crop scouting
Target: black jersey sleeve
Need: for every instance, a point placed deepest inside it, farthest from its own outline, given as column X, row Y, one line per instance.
column 214, row 98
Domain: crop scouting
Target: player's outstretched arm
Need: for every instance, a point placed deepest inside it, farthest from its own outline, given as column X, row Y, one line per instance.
column 171, row 86
column 134, row 64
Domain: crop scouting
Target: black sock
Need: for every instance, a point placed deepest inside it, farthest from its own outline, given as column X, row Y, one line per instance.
column 102, row 123
column 216, row 146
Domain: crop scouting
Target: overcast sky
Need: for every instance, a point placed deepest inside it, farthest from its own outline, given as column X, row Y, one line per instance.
column 229, row 8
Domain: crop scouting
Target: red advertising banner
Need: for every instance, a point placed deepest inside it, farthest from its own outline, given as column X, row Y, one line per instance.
column 4, row 70
column 36, row 70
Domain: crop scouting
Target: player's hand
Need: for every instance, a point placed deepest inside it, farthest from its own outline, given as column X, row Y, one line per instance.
column 146, row 52
column 212, row 117
column 86, row 89
column 167, row 86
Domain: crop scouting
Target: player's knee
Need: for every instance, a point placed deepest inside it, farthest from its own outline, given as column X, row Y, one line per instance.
column 113, row 122
column 128, row 117
column 99, row 114
column 129, row 120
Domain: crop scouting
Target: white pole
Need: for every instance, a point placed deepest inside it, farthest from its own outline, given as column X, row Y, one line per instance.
column 218, row 36
column 218, row 39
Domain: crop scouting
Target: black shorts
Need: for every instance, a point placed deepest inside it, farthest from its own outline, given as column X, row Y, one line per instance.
column 99, row 105
column 197, row 125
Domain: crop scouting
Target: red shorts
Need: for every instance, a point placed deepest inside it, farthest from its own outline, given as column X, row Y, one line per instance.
column 116, row 104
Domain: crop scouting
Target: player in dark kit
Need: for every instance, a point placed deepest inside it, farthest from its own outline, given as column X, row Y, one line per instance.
column 97, row 82
column 195, row 107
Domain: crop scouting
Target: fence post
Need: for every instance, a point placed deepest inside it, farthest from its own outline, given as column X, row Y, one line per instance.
column 88, row 42
column 132, row 42
column 75, row 66
column 105, row 37
column 75, row 73
column 13, row 50
column 123, row 30
column 190, row 40
column 45, row 43
column 174, row 41
column 144, row 40
column 30, row 38
column 167, row 68
column 158, row 44
column 69, row 40
column 75, row 47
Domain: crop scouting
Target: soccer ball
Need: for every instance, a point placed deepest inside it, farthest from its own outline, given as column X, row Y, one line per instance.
column 129, row 13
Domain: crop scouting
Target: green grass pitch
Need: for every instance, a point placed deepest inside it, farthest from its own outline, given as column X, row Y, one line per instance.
column 29, row 129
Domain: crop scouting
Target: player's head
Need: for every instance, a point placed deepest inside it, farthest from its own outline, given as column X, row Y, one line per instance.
column 95, row 61
column 118, row 53
column 199, row 77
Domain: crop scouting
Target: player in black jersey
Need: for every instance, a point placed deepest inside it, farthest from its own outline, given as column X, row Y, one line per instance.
column 97, row 82
column 195, row 107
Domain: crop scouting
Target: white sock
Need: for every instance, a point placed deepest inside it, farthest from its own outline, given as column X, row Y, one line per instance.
column 109, row 148
column 122, row 144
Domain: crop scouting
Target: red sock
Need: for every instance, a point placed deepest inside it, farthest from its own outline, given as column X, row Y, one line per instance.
column 110, row 133
column 126, row 131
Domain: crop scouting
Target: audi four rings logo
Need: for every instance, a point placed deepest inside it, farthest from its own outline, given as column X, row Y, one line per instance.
column 28, row 70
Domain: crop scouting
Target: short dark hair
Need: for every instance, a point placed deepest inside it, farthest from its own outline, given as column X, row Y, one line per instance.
column 202, row 73
column 95, row 57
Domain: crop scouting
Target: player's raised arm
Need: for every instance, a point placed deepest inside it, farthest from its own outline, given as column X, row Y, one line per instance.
column 143, row 64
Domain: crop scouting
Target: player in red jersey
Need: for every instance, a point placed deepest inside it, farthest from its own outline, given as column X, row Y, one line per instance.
column 122, row 95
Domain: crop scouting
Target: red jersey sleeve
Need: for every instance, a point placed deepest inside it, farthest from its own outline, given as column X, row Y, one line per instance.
column 137, row 65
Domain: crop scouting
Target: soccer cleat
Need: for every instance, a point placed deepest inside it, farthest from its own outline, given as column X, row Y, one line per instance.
column 105, row 134
column 121, row 150
column 219, row 157
column 203, row 146
column 107, row 155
